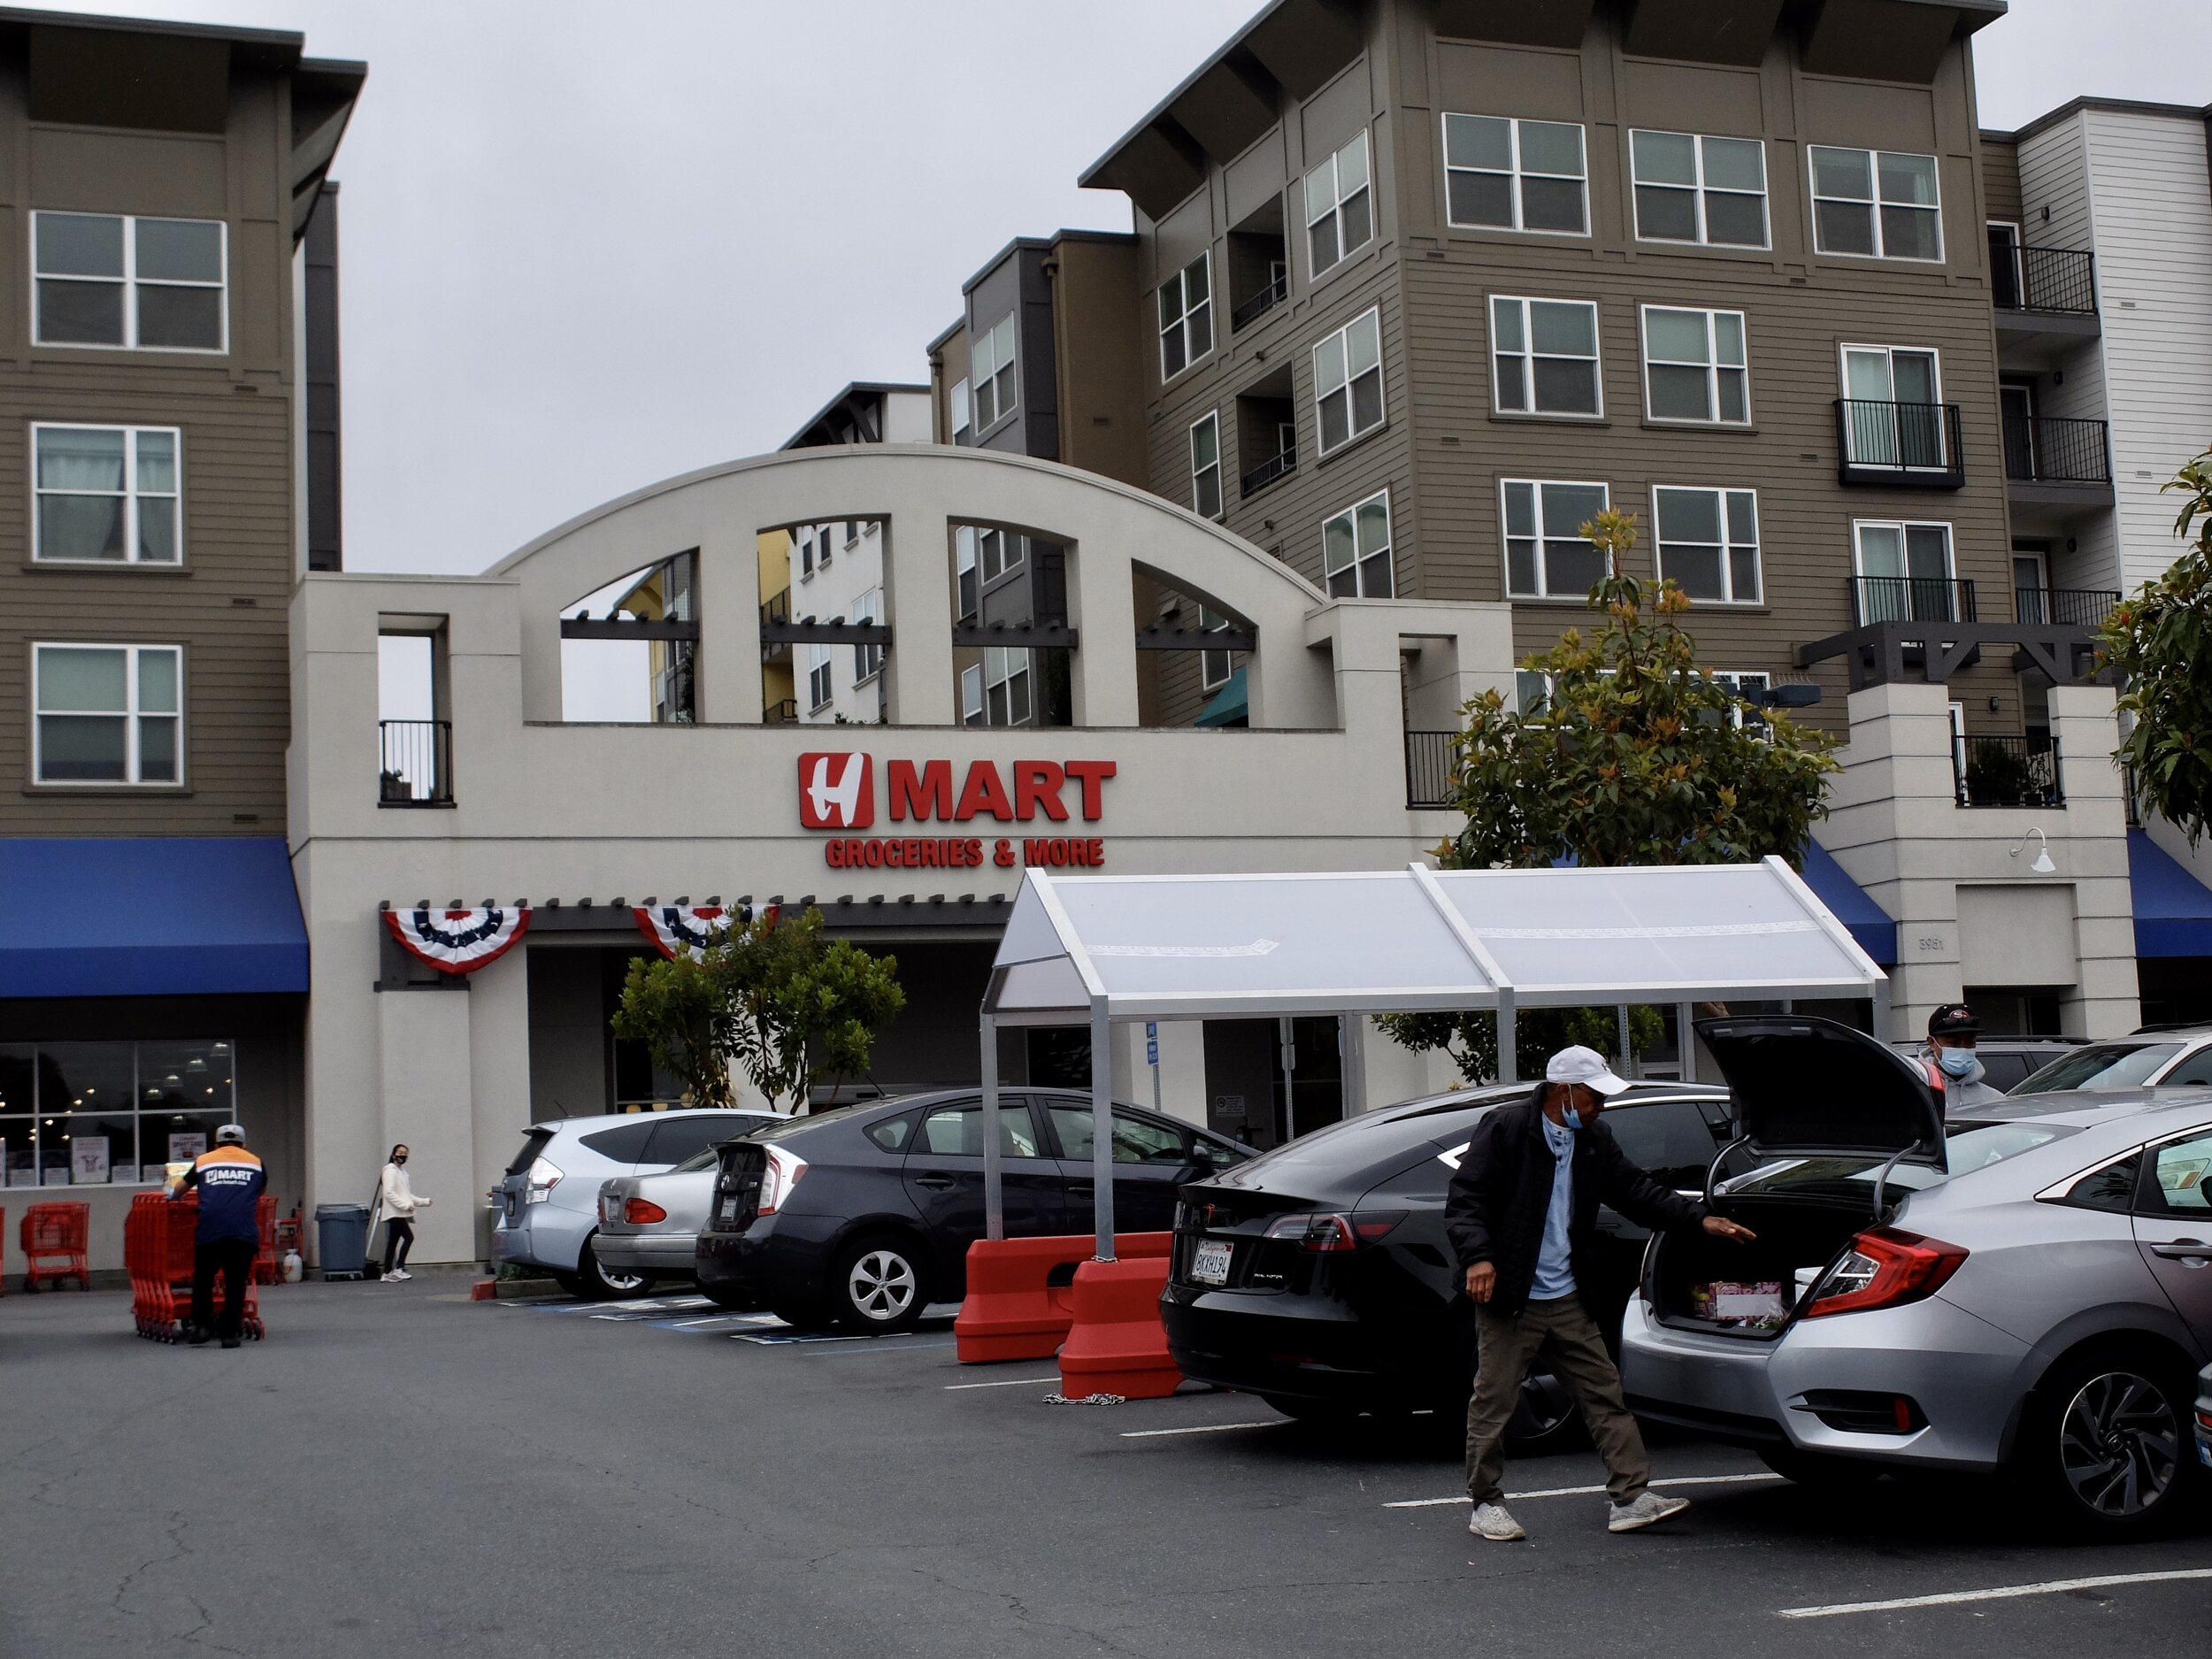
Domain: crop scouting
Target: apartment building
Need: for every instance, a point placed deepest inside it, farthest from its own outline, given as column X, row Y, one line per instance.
column 168, row 470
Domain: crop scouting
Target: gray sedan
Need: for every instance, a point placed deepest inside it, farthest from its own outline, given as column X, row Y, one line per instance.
column 2021, row 1293
column 649, row 1223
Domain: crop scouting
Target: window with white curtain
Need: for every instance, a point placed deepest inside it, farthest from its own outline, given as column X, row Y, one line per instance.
column 108, row 714
column 105, row 493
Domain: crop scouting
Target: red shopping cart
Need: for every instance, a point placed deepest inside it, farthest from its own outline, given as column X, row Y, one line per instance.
column 158, row 1254
column 53, row 1239
column 265, row 1271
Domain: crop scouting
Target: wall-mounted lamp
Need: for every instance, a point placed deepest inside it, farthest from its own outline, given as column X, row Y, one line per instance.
column 2042, row 867
column 1993, row 703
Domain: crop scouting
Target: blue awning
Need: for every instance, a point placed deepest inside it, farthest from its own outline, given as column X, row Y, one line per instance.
column 1231, row 705
column 152, row 916
column 2173, row 909
column 1867, row 922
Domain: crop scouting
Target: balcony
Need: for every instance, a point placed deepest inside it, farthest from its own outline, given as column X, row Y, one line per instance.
column 2055, row 468
column 1266, row 473
column 2061, row 280
column 2067, row 607
column 1260, row 304
column 783, row 713
column 1432, row 761
column 1910, row 599
column 2000, row 771
column 1911, row 446
column 774, row 617
column 414, row 763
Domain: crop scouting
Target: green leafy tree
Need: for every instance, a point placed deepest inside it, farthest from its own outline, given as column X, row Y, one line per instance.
column 2160, row 639
column 1470, row 1039
column 674, row 1009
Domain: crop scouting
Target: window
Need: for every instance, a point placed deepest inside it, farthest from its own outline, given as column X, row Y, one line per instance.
column 1347, row 388
column 959, row 401
column 1503, row 174
column 806, row 553
column 867, row 659
column 105, row 493
column 1546, row 556
column 1546, row 356
column 1187, row 318
column 818, row 678
column 824, row 540
column 1668, row 1138
column 963, row 567
column 1213, row 667
column 1695, row 367
column 1356, row 551
column 1749, row 714
column 1892, row 406
column 1205, row 466
column 991, row 372
column 144, row 284
column 997, row 552
column 108, row 714
column 1339, row 207
column 1136, row 1140
column 1709, row 542
column 1694, row 188
column 2111, row 1189
column 957, row 1131
column 971, row 695
column 1005, row 685
column 1904, row 571
column 2177, row 1186
column 87, row 1114
column 1876, row 204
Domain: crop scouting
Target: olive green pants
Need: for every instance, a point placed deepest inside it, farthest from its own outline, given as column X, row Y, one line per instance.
column 1561, row 1335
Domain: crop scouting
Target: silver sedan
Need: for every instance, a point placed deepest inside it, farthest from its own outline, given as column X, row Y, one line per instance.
column 649, row 1223
column 2022, row 1292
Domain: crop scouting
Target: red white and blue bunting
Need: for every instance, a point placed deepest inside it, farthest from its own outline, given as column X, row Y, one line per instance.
column 458, row 941
column 687, row 930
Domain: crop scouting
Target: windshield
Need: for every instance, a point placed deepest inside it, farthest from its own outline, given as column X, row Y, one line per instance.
column 2100, row 1065
column 1966, row 1147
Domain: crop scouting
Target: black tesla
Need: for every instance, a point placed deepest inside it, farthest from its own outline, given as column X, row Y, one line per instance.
column 1318, row 1276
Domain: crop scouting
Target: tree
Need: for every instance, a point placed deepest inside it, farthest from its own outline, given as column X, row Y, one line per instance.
column 674, row 1008
column 1470, row 1040
column 2160, row 641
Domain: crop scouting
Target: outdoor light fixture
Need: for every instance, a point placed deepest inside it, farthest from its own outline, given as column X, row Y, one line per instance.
column 1797, row 693
column 2042, row 867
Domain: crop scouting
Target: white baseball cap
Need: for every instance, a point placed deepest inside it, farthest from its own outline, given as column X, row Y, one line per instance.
column 1586, row 1066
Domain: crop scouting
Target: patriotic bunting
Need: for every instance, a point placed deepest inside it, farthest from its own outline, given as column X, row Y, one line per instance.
column 688, row 929
column 458, row 941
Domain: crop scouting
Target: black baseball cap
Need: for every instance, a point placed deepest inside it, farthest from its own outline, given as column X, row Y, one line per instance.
column 1952, row 1020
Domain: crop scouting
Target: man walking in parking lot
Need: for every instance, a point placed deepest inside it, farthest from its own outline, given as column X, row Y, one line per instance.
column 1522, row 1216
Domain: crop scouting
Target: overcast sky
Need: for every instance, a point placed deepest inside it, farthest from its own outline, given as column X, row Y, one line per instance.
column 587, row 246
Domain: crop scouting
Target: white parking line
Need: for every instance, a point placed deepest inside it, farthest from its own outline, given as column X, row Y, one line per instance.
column 1581, row 1491
column 2003, row 1592
column 1202, row 1428
column 1011, row 1382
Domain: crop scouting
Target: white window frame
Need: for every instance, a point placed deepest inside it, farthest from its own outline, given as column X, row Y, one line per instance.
column 989, row 371
column 972, row 711
column 1214, row 667
column 967, row 578
column 1332, row 209
column 1211, row 418
column 1713, row 366
column 1735, row 682
column 998, row 552
column 805, row 539
column 1362, row 557
column 1699, row 190
column 821, row 689
column 131, row 715
column 1525, row 359
column 867, row 659
column 1515, row 174
column 1728, row 546
column 1904, row 528
column 956, row 401
column 1372, row 318
column 823, row 543
column 130, row 493
column 130, row 283
column 1002, row 666
column 1544, row 533
column 1889, row 354
column 1874, row 203
column 1190, row 316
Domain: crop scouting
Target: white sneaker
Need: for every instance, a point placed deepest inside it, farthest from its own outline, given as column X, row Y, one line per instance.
column 402, row 1274
column 1491, row 1521
column 393, row 1279
column 1647, row 1508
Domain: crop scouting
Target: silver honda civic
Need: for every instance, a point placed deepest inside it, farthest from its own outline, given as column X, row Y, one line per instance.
column 649, row 1225
column 2021, row 1292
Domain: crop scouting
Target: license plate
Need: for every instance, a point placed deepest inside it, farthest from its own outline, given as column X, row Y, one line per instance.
column 729, row 1209
column 1211, row 1264
column 2204, row 1453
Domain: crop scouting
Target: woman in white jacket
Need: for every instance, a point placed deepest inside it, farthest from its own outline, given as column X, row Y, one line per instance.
column 400, row 1204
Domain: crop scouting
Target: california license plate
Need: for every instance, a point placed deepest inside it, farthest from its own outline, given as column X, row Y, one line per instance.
column 1211, row 1264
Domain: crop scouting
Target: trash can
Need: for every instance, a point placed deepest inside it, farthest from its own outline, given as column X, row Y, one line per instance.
column 342, row 1236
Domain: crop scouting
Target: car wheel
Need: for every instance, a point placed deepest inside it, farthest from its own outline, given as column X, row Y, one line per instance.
column 598, row 1284
column 878, row 1286
column 2108, row 1441
column 572, row 1286
column 1545, row 1420
column 1813, row 1469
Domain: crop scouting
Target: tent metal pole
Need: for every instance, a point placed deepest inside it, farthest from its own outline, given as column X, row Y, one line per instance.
column 993, row 1186
column 1508, row 1070
column 1621, row 1012
column 1686, row 1036
column 1102, row 1127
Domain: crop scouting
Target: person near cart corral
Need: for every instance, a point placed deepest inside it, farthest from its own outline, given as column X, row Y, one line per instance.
column 1522, row 1216
column 400, row 1204
column 1954, row 1068
column 230, row 1181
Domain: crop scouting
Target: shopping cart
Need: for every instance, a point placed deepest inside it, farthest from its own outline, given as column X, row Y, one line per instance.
column 158, row 1237
column 266, row 1268
column 51, row 1235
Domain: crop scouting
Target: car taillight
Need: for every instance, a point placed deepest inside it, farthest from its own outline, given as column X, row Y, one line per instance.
column 1326, row 1232
column 777, row 1180
column 1885, row 1267
column 539, row 1183
column 642, row 1212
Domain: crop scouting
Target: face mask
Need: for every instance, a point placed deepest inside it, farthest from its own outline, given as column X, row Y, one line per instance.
column 402, row 1158
column 1956, row 1062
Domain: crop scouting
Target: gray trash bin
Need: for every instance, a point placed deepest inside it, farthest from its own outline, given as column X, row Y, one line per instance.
column 342, row 1237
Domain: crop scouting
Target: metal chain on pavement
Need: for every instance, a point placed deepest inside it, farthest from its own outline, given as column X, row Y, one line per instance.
column 1087, row 1400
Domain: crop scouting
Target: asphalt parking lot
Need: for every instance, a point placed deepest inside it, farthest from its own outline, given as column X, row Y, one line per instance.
column 399, row 1470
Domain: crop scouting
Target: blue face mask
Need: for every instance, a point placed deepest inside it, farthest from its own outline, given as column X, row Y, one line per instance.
column 1956, row 1062
column 1568, row 1116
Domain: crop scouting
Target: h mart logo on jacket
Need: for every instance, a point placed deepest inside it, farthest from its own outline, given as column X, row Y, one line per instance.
column 837, row 791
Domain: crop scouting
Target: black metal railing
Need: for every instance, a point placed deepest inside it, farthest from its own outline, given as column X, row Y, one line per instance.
column 2044, row 450
column 1911, row 599
column 783, row 713
column 778, row 609
column 1431, row 767
column 2006, row 771
column 2064, row 607
column 414, row 763
column 1267, row 472
column 1898, row 443
column 1261, row 302
column 2042, row 279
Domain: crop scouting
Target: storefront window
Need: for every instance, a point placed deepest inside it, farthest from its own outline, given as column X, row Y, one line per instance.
column 77, row 1114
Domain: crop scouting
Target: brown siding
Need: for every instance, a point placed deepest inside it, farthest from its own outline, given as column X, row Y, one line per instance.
column 1101, row 379
column 2000, row 179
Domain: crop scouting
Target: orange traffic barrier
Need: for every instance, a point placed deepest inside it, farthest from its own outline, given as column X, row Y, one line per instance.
column 1021, row 1293
column 1116, row 1344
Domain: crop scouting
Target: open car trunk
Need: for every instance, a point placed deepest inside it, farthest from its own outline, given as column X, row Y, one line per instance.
column 1697, row 1282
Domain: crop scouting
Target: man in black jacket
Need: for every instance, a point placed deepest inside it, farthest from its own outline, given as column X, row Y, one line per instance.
column 1522, row 1215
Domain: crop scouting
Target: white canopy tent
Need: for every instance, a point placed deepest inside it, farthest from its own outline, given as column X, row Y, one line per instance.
column 1102, row 951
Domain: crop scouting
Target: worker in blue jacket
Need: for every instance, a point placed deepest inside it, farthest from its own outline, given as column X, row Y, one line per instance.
column 230, row 1181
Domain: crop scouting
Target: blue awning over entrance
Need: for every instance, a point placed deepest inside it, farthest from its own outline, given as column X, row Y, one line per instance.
column 155, row 916
column 2173, row 909
column 1867, row 922
column 1231, row 705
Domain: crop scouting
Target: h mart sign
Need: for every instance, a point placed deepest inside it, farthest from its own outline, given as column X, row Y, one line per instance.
column 838, row 792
